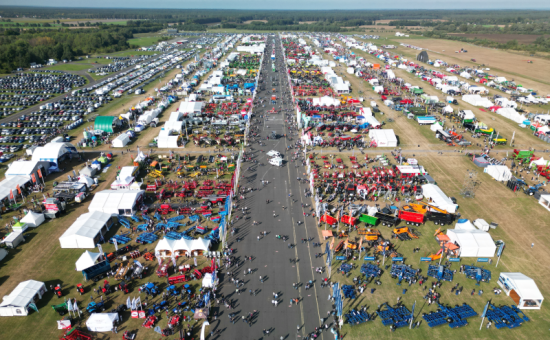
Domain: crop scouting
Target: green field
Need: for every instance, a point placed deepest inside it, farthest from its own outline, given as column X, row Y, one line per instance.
column 144, row 41
column 69, row 67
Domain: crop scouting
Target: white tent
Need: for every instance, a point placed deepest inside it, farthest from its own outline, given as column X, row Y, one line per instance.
column 125, row 178
column 51, row 152
column 498, row 172
column 11, row 183
column 436, row 197
column 173, row 126
column 87, row 230
column 326, row 101
column 383, row 137
column 101, row 322
column 17, row 303
column 121, row 141
column 473, row 243
column 86, row 180
column 118, row 202
column 477, row 100
column 464, row 225
column 207, row 281
column 26, row 168
column 540, row 161
column 512, row 114
column 436, row 127
column 190, row 107
column 86, row 260
column 168, row 142
column 167, row 247
column 522, row 289
column 33, row 219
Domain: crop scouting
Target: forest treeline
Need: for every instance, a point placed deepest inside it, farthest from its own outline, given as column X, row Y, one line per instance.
column 19, row 48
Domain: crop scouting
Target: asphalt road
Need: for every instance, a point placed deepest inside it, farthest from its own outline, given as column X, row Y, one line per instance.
column 271, row 256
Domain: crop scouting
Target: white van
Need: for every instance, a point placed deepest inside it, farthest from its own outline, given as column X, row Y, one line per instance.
column 273, row 153
column 277, row 161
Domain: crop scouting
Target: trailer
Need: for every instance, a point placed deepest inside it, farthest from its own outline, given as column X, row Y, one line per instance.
column 440, row 218
column 387, row 220
column 97, row 271
column 369, row 220
column 412, row 218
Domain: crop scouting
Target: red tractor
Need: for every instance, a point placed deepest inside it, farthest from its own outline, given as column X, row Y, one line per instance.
column 80, row 288
column 165, row 209
column 123, row 286
column 106, row 289
column 58, row 292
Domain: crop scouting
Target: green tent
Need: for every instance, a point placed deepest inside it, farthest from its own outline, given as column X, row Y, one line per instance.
column 104, row 124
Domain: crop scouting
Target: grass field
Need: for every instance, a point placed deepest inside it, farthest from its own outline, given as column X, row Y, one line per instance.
column 69, row 67
column 507, row 64
column 143, row 42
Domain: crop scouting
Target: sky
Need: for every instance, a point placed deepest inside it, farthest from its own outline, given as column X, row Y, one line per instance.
column 287, row 4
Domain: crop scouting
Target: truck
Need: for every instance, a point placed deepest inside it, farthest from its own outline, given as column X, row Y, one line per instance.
column 387, row 220
column 369, row 220
column 412, row 218
column 440, row 218
column 349, row 220
column 97, row 271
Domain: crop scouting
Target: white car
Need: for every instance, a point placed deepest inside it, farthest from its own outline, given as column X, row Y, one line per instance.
column 273, row 153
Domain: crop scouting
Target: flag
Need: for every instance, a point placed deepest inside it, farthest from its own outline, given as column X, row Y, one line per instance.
column 332, row 244
column 130, row 304
column 18, row 189
column 33, row 178
column 195, row 259
column 485, row 310
column 100, row 249
column 115, row 243
column 69, row 306
column 174, row 261
column 75, row 306
column 11, row 194
column 39, row 173
column 137, row 302
column 204, row 324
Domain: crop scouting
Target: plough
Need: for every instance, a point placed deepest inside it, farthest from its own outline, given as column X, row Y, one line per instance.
column 147, row 238
column 120, row 239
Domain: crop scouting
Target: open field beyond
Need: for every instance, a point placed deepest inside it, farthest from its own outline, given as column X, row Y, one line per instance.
column 501, row 38
column 503, row 63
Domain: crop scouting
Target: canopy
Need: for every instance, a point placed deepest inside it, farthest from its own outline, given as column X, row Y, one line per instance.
column 88, row 171
column 464, row 225
column 383, row 137
column 17, row 303
column 473, row 243
column 119, row 202
column 104, row 123
column 33, row 219
column 168, row 142
column 121, row 141
column 101, row 322
column 86, row 180
column 10, row 184
column 207, row 280
column 438, row 198
column 26, row 168
column 522, row 289
column 51, row 152
column 86, row 260
column 166, row 246
column 87, row 230
column 498, row 172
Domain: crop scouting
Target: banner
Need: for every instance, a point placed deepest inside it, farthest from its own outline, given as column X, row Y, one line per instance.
column 115, row 243
column 204, row 324
column 11, row 195
column 33, row 178
column 18, row 189
column 39, row 173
